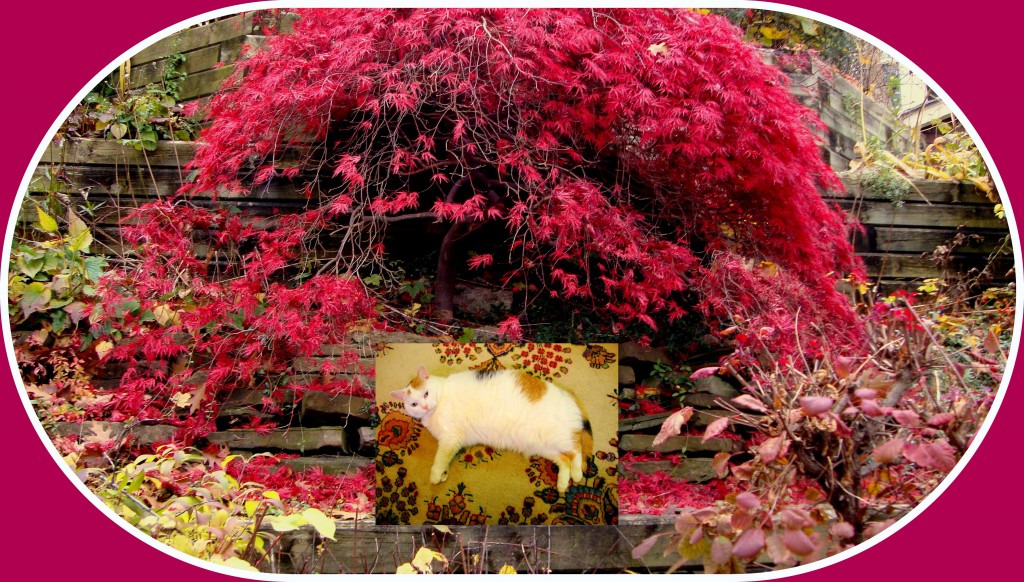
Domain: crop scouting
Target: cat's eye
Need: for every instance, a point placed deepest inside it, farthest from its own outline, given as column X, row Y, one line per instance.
column 425, row 394
column 415, row 404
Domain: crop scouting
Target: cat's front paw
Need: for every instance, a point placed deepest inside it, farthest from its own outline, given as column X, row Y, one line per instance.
column 563, row 481
column 438, row 476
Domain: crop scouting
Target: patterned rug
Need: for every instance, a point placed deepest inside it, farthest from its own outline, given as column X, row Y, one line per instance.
column 488, row 486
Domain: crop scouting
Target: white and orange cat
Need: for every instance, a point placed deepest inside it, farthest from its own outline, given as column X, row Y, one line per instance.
column 505, row 409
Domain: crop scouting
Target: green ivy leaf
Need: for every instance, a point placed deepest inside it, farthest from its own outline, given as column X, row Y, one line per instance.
column 149, row 139
column 94, row 267
column 59, row 321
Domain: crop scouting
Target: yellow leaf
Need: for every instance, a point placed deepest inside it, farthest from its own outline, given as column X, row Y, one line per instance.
column 81, row 242
column 282, row 523
column 272, row 495
column 103, row 348
column 506, row 569
column 772, row 33
column 406, row 568
column 323, row 525
column 251, row 507
column 425, row 557
column 46, row 222
column 165, row 315
column 769, row 268
column 233, row 562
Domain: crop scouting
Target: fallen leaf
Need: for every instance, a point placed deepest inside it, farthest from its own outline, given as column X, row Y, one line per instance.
column 716, row 428
column 673, row 425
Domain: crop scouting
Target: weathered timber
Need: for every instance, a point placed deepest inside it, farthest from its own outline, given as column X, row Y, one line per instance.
column 363, row 547
column 147, row 183
column 204, row 83
column 909, row 266
column 144, row 434
column 340, row 404
column 290, row 439
column 695, row 444
column 196, row 37
column 196, row 60
column 329, row 464
column 880, row 238
column 110, row 153
column 920, row 214
column 934, row 191
column 691, row 470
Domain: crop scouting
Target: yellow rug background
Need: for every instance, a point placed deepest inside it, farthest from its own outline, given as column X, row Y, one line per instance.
column 487, row 486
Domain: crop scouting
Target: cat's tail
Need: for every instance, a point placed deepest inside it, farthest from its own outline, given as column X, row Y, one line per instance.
column 586, row 439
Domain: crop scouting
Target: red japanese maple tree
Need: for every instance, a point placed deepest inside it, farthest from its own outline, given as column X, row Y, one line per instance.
column 632, row 156
column 640, row 162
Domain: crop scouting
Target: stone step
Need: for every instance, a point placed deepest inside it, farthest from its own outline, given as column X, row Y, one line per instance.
column 690, row 444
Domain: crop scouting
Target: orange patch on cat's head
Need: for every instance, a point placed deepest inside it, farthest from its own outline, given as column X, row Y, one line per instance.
column 533, row 387
column 416, row 382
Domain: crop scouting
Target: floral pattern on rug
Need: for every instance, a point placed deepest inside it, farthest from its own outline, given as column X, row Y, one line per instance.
column 488, row 486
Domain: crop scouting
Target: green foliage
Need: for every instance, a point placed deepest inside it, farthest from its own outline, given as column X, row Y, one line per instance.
column 186, row 499
column 885, row 181
column 778, row 30
column 52, row 277
column 953, row 157
column 138, row 117
column 675, row 376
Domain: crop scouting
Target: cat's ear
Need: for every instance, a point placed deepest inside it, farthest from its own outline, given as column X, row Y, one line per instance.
column 398, row 395
column 422, row 373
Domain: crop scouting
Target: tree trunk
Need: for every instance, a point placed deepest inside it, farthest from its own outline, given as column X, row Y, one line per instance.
column 444, row 284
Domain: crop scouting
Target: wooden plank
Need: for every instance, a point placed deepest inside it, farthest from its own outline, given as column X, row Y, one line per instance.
column 141, row 433
column 363, row 547
column 148, row 183
column 195, row 61
column 935, row 215
column 196, row 37
column 923, row 240
column 935, row 191
column 204, row 83
column 319, row 402
column 289, row 439
column 899, row 266
column 330, row 465
column 108, row 152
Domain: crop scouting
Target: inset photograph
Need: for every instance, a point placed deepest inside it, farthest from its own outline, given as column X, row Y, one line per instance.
column 505, row 434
